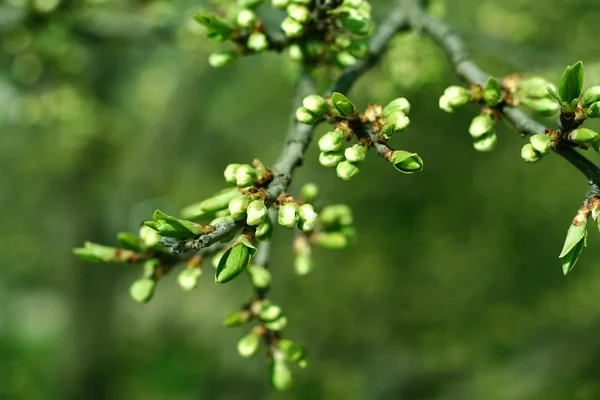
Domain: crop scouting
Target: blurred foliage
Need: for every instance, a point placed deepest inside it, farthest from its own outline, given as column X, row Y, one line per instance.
column 108, row 110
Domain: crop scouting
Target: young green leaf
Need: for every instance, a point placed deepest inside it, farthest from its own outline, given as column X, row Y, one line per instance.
column 575, row 234
column 234, row 262
column 492, row 93
column 571, row 83
column 570, row 259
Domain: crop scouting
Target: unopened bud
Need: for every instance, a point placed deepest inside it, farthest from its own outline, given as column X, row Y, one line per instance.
column 492, row 93
column 221, row 58
column 583, row 135
column 316, row 104
column 329, row 240
column 541, row 143
column 345, row 59
column 307, row 217
column 388, row 131
column 279, row 373
column 277, row 325
column 238, row 206
column 287, row 215
column 593, row 111
column 357, row 24
column 295, row 53
column 310, row 192
column 188, row 278
column 481, row 125
column 456, row 96
column 331, row 141
column 142, row 290
column 260, row 276
column 281, row 4
column 304, row 116
column 529, row 154
column 406, row 162
column 246, row 18
column 292, row 28
column 399, row 104
column 346, row 170
column 486, row 142
column 249, row 344
column 299, row 13
column 230, row 171
column 331, row 159
column 264, row 231
column 245, row 176
column 257, row 41
column 590, row 96
column 237, row 318
column 399, row 119
column 356, row 153
column 345, row 107
column 270, row 312
column 544, row 106
column 256, row 212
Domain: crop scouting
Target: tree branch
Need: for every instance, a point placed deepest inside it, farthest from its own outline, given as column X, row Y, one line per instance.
column 466, row 69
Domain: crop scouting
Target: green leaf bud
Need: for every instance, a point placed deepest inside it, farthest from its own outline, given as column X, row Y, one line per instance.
column 455, row 96
column 230, row 172
column 260, row 276
column 188, row 278
column 331, row 141
column 249, row 344
column 310, row 192
column 304, row 116
column 307, row 217
column 399, row 104
column 316, row 104
column 399, row 119
column 541, row 143
column 356, row 153
column 148, row 237
column 303, row 256
column 571, row 83
column 577, row 233
column 529, row 154
column 345, row 107
column 245, row 176
column 331, row 159
column 210, row 206
column 258, row 42
column 238, row 206
column 277, row 325
column 292, row 28
column 593, row 110
column 280, row 375
column 583, row 135
column 270, row 312
column 481, row 125
column 221, row 58
column 295, row 53
column 287, row 216
column 246, row 18
column 406, row 162
column 590, row 96
column 142, row 290
column 293, row 351
column 388, row 131
column 280, row 4
column 486, row 142
column 237, row 318
column 346, row 170
column 128, row 241
column 299, row 13
column 264, row 231
column 345, row 59
column 546, row 107
column 256, row 213
column 357, row 24
column 234, row 262
column 173, row 227
column 492, row 93
column 329, row 240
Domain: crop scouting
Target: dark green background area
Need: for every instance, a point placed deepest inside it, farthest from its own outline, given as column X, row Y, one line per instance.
column 109, row 110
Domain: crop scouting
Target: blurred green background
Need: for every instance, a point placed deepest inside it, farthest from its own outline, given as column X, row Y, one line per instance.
column 108, row 110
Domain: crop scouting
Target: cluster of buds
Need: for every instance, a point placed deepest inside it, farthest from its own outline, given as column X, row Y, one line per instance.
column 535, row 93
column 330, row 32
column 372, row 128
column 482, row 130
column 538, row 146
column 270, row 323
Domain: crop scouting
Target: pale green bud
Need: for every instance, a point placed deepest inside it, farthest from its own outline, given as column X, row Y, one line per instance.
column 356, row 153
column 310, row 192
column 293, row 351
column 529, row 154
column 277, row 325
column 545, row 106
column 486, row 142
column 238, row 206
column 337, row 214
column 456, row 96
column 307, row 217
column 406, row 162
column 230, row 172
column 316, row 104
column 292, row 28
column 346, row 170
column 345, row 59
column 299, row 13
column 357, row 24
column 142, row 290
column 270, row 312
column 593, row 110
column 583, row 135
column 303, row 265
column 295, row 53
column 237, row 318
column 256, row 212
column 541, row 143
column 249, row 344
column 280, row 4
column 481, row 125
column 331, row 159
column 258, row 42
column 188, row 278
column 221, row 58
column 287, row 215
column 331, row 141
column 246, row 18
column 444, row 105
column 264, row 231
column 279, row 373
column 149, row 237
column 304, row 116
column 260, row 276
column 399, row 104
column 590, row 96
column 245, row 176
column 329, row 240
column 399, row 119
